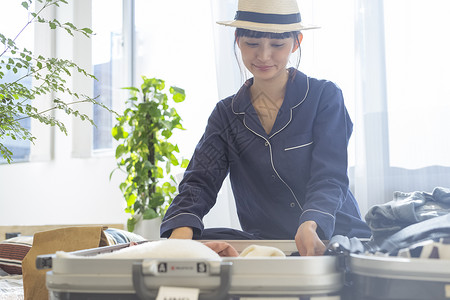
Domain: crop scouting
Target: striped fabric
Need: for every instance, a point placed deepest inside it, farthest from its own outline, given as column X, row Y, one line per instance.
column 12, row 252
column 437, row 248
column 118, row 236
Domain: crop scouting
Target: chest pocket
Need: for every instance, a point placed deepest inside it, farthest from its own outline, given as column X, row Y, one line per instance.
column 296, row 160
column 299, row 142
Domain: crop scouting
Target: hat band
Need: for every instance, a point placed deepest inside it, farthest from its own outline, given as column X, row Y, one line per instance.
column 267, row 18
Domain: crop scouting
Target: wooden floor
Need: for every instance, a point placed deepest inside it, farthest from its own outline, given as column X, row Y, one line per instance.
column 31, row 229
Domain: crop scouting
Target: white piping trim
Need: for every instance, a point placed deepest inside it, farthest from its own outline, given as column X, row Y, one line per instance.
column 290, row 117
column 183, row 214
column 232, row 103
column 273, row 167
column 301, row 146
column 325, row 213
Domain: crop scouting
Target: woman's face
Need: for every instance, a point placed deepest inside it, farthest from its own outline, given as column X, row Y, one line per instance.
column 266, row 58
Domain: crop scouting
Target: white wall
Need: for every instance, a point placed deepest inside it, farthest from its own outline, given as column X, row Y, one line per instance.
column 64, row 191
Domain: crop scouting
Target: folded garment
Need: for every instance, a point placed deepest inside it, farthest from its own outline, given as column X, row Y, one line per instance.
column 170, row 248
column 406, row 209
column 407, row 242
column 261, row 251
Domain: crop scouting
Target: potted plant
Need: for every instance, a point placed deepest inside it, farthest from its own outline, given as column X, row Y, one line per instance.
column 145, row 153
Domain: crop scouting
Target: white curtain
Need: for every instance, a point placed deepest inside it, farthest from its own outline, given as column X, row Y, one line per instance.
column 403, row 98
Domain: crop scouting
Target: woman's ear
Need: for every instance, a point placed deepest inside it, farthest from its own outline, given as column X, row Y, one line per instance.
column 236, row 39
column 297, row 42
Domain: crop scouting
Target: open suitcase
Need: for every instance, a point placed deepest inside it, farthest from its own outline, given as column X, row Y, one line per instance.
column 290, row 277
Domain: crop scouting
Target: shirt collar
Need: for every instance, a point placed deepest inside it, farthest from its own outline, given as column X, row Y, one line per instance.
column 296, row 89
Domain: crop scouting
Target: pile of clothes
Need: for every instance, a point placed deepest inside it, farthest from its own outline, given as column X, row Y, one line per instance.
column 415, row 224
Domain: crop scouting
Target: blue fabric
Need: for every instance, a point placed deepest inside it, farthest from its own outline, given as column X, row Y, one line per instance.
column 296, row 173
column 118, row 236
column 267, row 18
column 406, row 209
column 411, row 237
column 122, row 237
column 220, row 233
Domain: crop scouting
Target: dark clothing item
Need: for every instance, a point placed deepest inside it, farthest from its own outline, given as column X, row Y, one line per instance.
column 296, row 173
column 406, row 209
column 220, row 233
column 434, row 229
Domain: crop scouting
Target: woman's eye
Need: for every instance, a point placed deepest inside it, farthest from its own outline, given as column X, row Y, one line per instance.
column 277, row 45
column 252, row 44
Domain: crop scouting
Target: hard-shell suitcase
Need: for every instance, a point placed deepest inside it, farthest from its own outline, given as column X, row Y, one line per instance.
column 290, row 277
column 397, row 278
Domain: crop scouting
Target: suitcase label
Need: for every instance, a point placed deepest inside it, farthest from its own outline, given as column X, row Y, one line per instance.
column 178, row 268
column 177, row 293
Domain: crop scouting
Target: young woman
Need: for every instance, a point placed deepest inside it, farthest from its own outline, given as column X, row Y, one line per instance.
column 283, row 140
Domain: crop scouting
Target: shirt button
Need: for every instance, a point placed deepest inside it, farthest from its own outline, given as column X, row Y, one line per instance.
column 273, row 176
column 266, row 144
column 292, row 204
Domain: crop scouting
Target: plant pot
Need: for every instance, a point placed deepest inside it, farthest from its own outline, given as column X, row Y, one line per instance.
column 148, row 229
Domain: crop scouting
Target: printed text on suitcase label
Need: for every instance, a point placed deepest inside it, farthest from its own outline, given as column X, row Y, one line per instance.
column 182, row 268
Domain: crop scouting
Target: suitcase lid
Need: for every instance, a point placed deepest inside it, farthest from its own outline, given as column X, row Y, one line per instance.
column 400, row 268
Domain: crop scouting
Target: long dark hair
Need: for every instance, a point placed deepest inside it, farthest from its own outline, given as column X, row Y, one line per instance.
column 270, row 35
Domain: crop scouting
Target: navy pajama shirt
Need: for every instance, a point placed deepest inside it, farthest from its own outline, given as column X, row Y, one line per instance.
column 296, row 173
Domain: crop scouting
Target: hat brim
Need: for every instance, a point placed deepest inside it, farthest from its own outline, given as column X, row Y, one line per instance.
column 266, row 27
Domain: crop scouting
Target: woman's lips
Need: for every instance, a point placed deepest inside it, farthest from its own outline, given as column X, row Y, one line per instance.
column 263, row 68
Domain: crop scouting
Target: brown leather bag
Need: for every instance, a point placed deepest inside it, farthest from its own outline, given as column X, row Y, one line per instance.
column 48, row 242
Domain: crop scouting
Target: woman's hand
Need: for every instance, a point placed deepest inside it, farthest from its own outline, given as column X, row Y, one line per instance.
column 184, row 233
column 222, row 248
column 307, row 241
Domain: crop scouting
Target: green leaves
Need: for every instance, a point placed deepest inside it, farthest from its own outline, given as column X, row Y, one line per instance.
column 149, row 214
column 185, row 163
column 145, row 152
column 121, row 150
column 131, row 223
column 119, row 133
column 178, row 94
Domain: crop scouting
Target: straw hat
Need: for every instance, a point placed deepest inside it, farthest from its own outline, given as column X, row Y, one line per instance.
column 268, row 16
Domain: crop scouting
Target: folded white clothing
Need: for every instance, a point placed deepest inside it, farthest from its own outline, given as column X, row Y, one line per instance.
column 170, row 248
column 261, row 251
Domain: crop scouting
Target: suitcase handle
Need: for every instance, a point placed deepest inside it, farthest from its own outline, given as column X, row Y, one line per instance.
column 144, row 293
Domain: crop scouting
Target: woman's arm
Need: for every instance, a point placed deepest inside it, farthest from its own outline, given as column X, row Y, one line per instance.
column 201, row 181
column 327, row 188
column 182, row 233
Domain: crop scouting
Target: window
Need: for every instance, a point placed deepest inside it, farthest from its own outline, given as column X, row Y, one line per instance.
column 402, row 66
column 417, row 73
column 107, row 54
column 11, row 24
